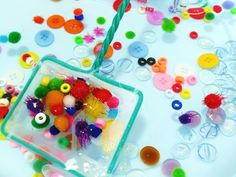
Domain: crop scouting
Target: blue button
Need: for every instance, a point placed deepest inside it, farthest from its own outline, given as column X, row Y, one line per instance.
column 138, row 49
column 44, row 38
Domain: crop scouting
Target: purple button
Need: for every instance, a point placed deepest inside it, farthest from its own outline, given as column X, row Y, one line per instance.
column 155, row 17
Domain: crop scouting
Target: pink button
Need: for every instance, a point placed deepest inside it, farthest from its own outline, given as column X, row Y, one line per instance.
column 192, row 80
column 155, row 17
column 163, row 81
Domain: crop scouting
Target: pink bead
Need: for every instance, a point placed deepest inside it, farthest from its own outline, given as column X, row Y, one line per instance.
column 168, row 166
column 100, row 122
column 113, row 102
column 13, row 144
column 192, row 80
column 9, row 88
column 47, row 134
column 56, row 174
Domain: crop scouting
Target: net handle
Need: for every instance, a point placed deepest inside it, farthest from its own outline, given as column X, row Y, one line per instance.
column 110, row 35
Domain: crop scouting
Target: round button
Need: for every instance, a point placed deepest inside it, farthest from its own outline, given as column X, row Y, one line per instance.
column 163, row 81
column 44, row 38
column 81, row 51
column 138, row 49
column 124, row 65
column 56, row 21
column 155, row 17
column 142, row 73
column 73, row 26
column 208, row 61
column 149, row 36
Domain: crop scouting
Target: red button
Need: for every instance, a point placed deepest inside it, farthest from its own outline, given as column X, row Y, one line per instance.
column 117, row 3
column 193, row 35
column 176, row 20
column 177, row 88
column 117, row 45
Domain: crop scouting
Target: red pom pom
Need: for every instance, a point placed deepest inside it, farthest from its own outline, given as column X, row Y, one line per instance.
column 3, row 111
column 57, row 110
column 102, row 94
column 80, row 90
column 213, row 101
column 38, row 20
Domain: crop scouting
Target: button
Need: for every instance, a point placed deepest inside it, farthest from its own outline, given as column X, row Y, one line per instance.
column 124, row 65
column 151, row 61
column 55, row 21
column 44, row 38
column 107, row 67
column 192, row 80
column 138, row 49
column 142, row 73
column 73, row 26
column 184, row 70
column 176, row 105
column 149, row 36
column 15, row 77
column 155, row 17
column 163, row 81
column 81, row 51
column 208, row 61
column 177, row 88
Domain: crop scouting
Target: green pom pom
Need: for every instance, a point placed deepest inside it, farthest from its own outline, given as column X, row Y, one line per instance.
column 55, row 84
column 168, row 25
column 209, row 16
column 63, row 142
column 14, row 37
column 130, row 34
column 40, row 126
column 41, row 91
column 178, row 172
column 79, row 40
column 38, row 165
column 101, row 20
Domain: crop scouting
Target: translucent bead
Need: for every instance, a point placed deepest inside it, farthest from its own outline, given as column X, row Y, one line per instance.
column 124, row 65
column 190, row 119
column 149, row 36
column 142, row 73
column 206, row 77
column 123, row 167
column 188, row 134
column 231, row 65
column 130, row 150
column 228, row 128
column 225, row 81
column 216, row 116
column 205, row 43
column 135, row 173
column 81, row 51
column 230, row 110
column 209, row 130
column 221, row 52
column 220, row 69
column 207, row 152
column 180, row 151
column 232, row 47
column 168, row 166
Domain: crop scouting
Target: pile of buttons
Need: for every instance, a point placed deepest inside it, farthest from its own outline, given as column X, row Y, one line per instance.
column 63, row 106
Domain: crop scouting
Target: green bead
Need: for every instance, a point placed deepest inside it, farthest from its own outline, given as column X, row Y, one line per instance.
column 55, row 84
column 38, row 165
column 233, row 11
column 40, row 126
column 14, row 37
column 209, row 16
column 130, row 34
column 41, row 91
column 63, row 142
column 168, row 25
column 101, row 20
column 79, row 40
column 178, row 172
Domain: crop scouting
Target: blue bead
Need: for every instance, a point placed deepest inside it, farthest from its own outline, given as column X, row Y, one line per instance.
column 113, row 113
column 71, row 110
column 53, row 130
column 138, row 49
column 94, row 130
column 176, row 104
column 44, row 38
column 3, row 39
column 79, row 17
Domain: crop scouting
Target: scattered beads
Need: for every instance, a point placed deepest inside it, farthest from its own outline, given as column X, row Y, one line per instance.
column 150, row 155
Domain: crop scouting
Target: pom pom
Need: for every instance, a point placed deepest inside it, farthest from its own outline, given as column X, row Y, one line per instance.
column 168, row 25
column 80, row 90
column 213, row 101
column 41, row 91
column 102, row 94
column 55, row 84
column 82, row 132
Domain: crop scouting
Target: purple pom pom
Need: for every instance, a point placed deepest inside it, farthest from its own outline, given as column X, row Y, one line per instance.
column 34, row 105
column 82, row 132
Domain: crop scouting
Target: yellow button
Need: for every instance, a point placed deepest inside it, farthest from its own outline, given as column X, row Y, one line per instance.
column 208, row 61
column 86, row 62
column 185, row 94
column 185, row 15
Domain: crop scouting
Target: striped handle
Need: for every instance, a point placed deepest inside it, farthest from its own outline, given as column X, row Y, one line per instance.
column 110, row 35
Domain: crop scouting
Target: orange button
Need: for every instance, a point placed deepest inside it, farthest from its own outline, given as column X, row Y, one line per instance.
column 56, row 21
column 98, row 47
column 74, row 26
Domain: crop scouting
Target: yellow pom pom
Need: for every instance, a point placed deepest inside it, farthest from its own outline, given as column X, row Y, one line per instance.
column 94, row 108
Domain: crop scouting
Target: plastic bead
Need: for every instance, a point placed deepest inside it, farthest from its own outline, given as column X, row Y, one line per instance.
column 100, row 122
column 78, row 105
column 37, row 175
column 207, row 152
column 3, row 111
column 41, row 91
column 9, row 88
column 63, row 142
column 150, row 155
column 55, row 84
column 113, row 113
column 168, row 166
column 41, row 120
column 177, row 88
column 4, row 102
column 65, row 88
column 57, row 109
column 192, row 80
column 113, row 102
column 57, row 174
column 176, row 104
column 45, row 81
column 54, row 131
column 216, row 116
column 142, row 61
column 178, row 172
column 179, row 79
column 185, row 94
column 7, row 96
column 38, row 165
column 61, row 123
column 94, row 130
column 69, row 101
column 71, row 110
